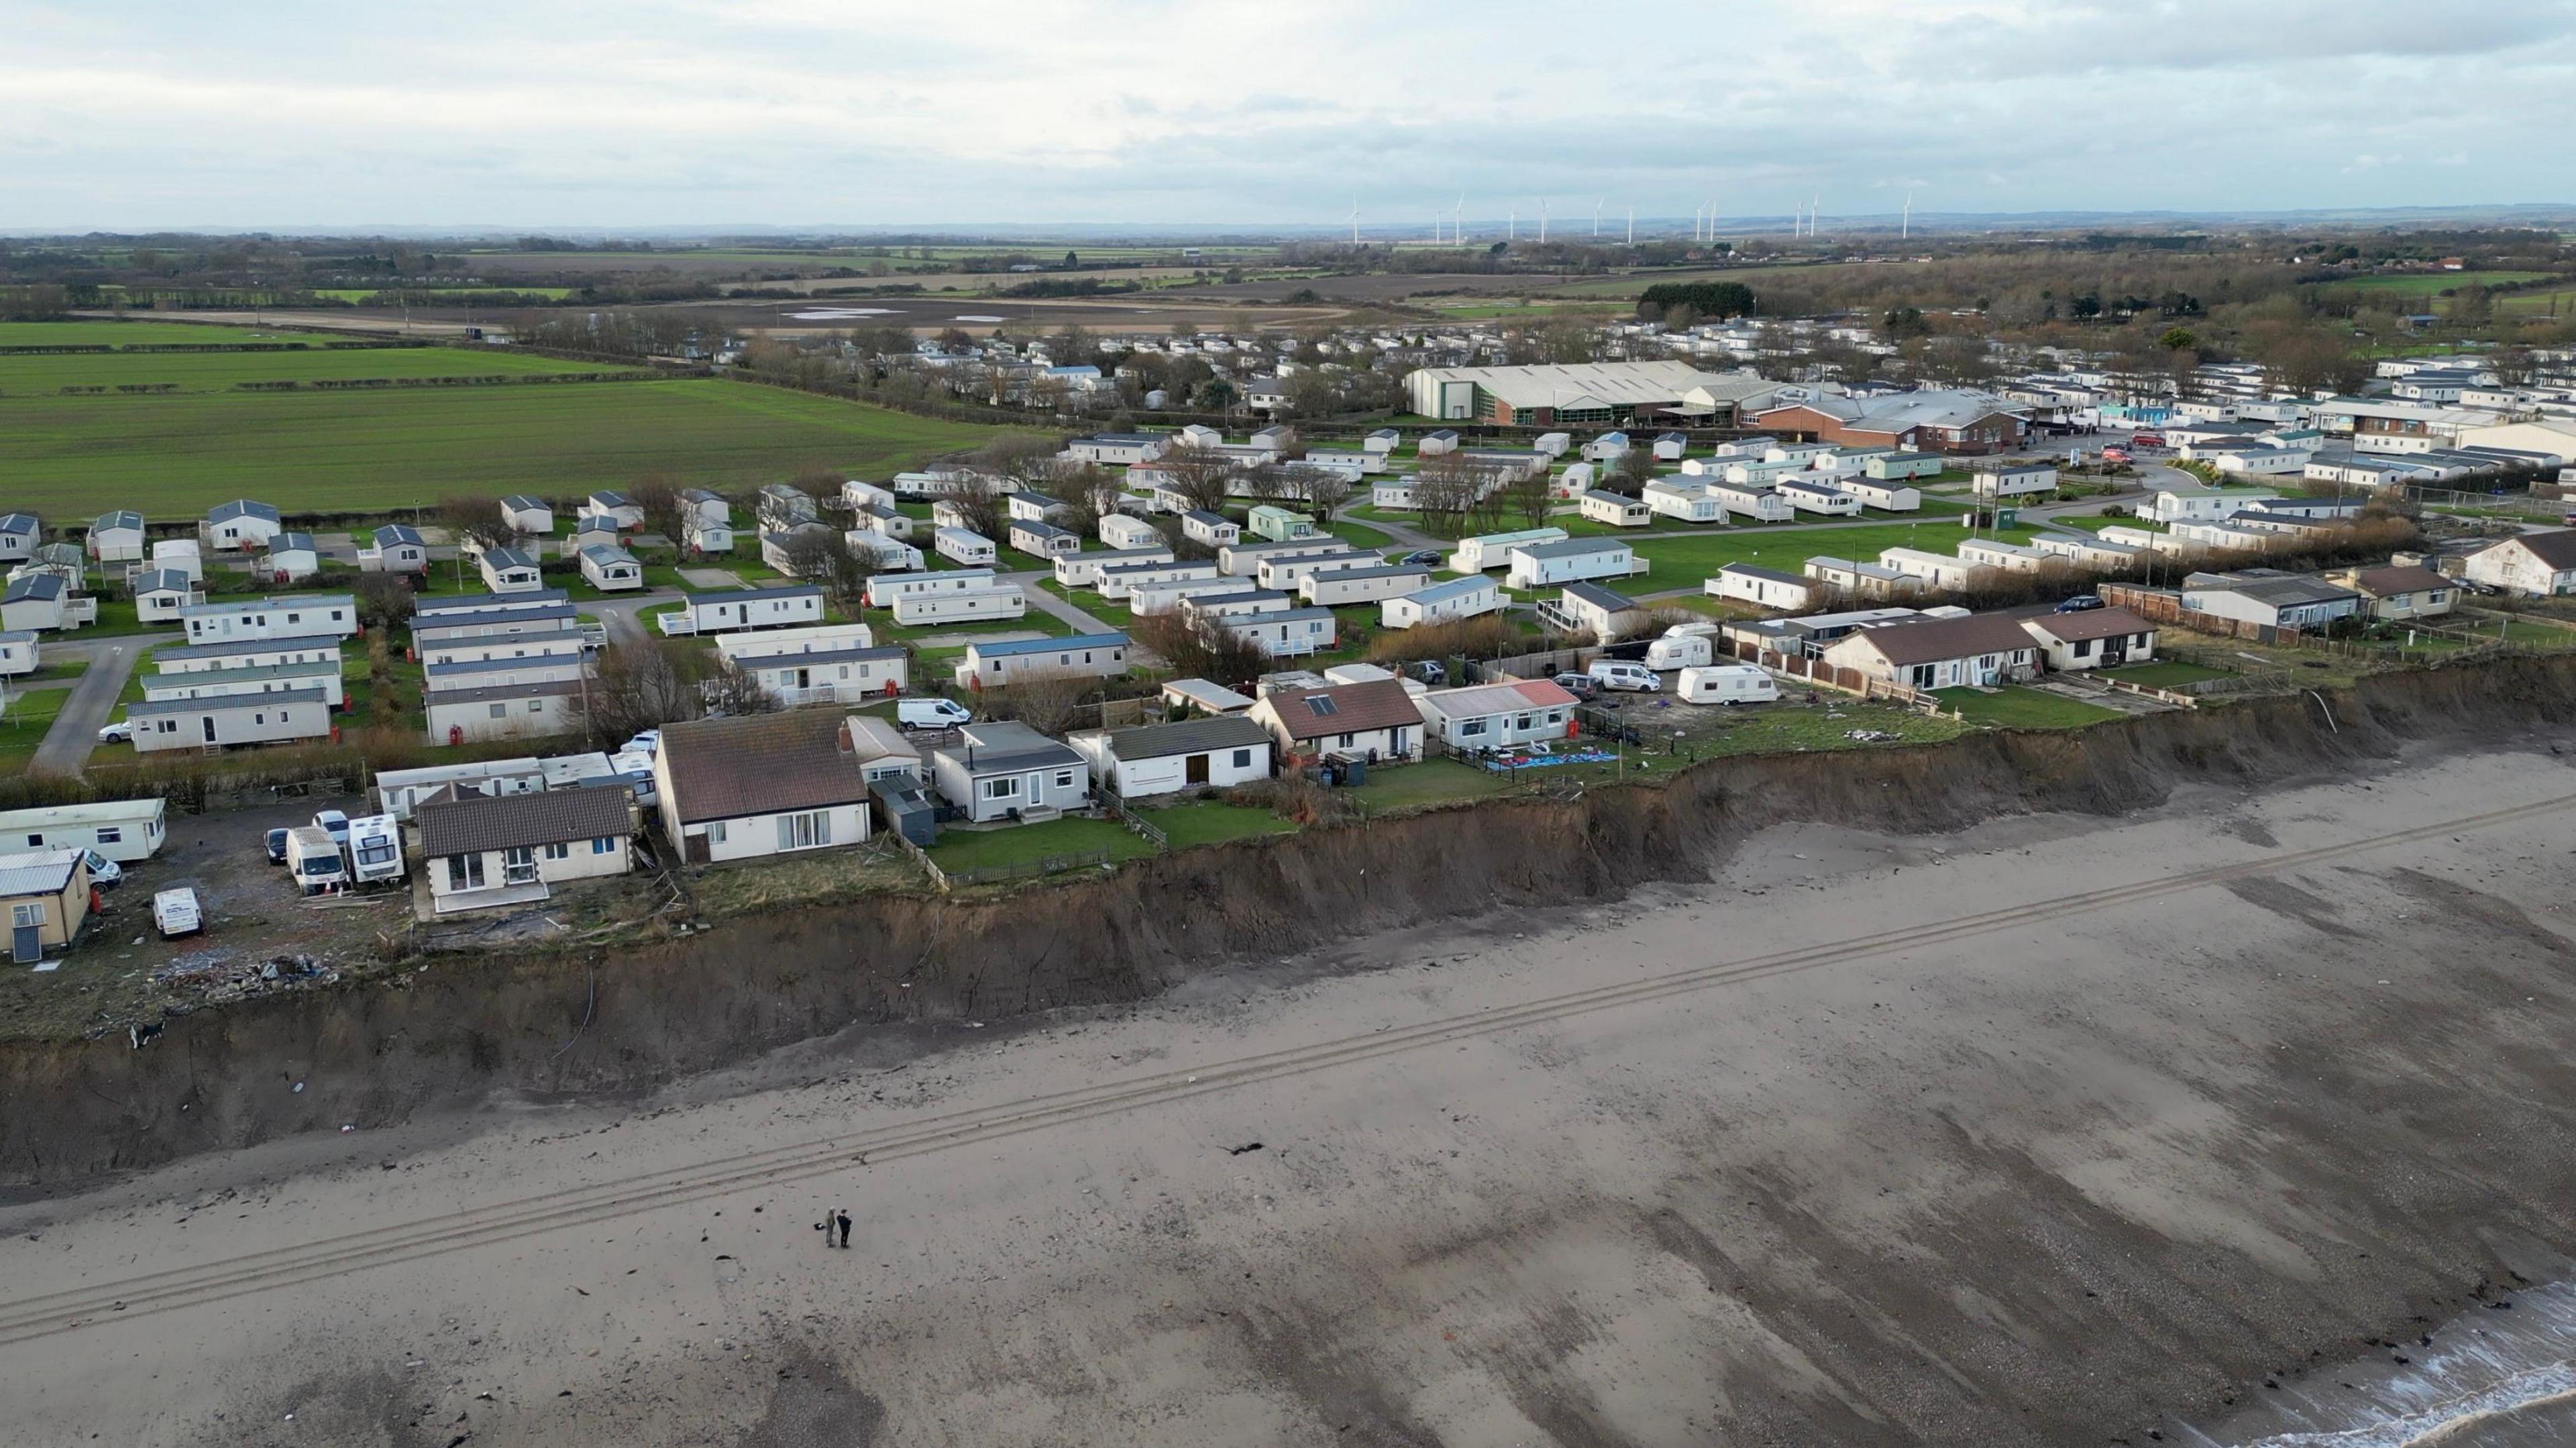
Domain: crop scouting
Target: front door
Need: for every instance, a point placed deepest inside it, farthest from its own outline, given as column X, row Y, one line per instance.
column 2115, row 651
column 209, row 723
column 1196, row 770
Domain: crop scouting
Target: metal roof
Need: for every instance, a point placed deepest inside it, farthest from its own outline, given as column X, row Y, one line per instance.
column 477, row 602
column 38, row 872
column 1048, row 645
column 474, row 823
column 1189, row 736
column 223, row 702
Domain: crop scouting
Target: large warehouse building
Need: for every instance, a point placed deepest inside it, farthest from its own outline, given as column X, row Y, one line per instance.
column 1591, row 392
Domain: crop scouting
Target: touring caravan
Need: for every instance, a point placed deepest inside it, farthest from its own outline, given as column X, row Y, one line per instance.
column 1726, row 684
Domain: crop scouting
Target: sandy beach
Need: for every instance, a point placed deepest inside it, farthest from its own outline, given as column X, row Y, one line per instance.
column 2064, row 1130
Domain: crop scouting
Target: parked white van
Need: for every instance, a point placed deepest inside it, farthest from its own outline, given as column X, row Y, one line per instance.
column 1726, row 684
column 931, row 714
column 1620, row 674
column 314, row 859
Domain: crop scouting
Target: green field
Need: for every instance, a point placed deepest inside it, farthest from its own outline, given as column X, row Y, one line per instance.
column 45, row 374
column 143, row 334
column 74, row 457
column 1688, row 562
column 360, row 294
column 2428, row 283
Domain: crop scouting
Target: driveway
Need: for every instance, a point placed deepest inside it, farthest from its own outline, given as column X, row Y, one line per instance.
column 93, row 699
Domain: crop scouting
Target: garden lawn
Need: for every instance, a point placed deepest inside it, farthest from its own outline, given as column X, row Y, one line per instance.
column 24, row 726
column 2014, row 707
column 1792, row 730
column 406, row 447
column 2166, row 674
column 1213, row 821
column 1433, row 781
column 960, row 850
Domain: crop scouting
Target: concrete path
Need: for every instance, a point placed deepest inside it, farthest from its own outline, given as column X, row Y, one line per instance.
column 93, row 700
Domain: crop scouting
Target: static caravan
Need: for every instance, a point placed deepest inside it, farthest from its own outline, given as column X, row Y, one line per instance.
column 884, row 589
column 280, row 718
column 846, row 675
column 703, row 539
column 2009, row 557
column 1822, row 498
column 1279, row 525
column 1244, row 559
column 890, row 554
column 394, row 548
column 1442, row 603
column 1117, row 530
column 1121, row 580
column 1259, row 600
column 161, row 594
column 528, row 517
column 610, row 569
column 1745, row 500
column 1670, row 446
column 323, row 674
column 18, row 649
column 1043, row 540
column 1762, row 587
column 1082, row 570
column 511, row 570
column 1212, row 529
column 958, row 545
column 1288, row 573
column 1572, row 561
column 2014, row 480
column 285, row 616
column 989, row 666
column 1937, row 570
column 1689, row 503
column 961, row 606
column 1761, row 472
column 123, row 830
column 19, row 535
column 1289, row 633
column 1148, row 598
column 1890, row 497
column 117, row 538
column 1493, row 550
column 1337, row 587
column 1726, row 684
column 1897, row 466
column 1616, row 509
column 1856, row 579
column 567, row 641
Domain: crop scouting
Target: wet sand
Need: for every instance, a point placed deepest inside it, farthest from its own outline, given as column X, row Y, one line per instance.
column 2062, row 1174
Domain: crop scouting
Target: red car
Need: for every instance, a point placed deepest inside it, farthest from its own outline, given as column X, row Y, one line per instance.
column 2147, row 439
column 2109, row 455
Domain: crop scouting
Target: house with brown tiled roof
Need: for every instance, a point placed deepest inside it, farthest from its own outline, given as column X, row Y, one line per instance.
column 1377, row 720
column 1940, row 653
column 2096, row 638
column 760, row 784
column 484, row 852
column 2401, row 591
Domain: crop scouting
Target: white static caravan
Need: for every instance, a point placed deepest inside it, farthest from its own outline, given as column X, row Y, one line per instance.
column 2014, row 480
column 1575, row 560
column 1822, row 498
column 1259, row 600
column 1554, row 444
column 1687, row 502
column 884, row 589
column 1292, row 633
column 1149, row 598
column 1494, row 550
column 1900, row 466
column 1726, row 684
column 1082, row 570
column 1338, row 587
column 323, row 674
column 18, row 649
column 1937, row 570
column 1618, row 510
column 1213, row 529
column 528, row 517
column 1043, row 540
column 285, row 616
column 958, row 545
column 1762, row 587
column 503, row 711
column 746, row 608
column 988, row 666
column 1117, row 530
column 117, row 537
column 123, row 830
column 1887, row 495
column 1244, row 559
column 1121, row 580
column 170, row 724
column 1994, row 553
column 848, row 675
column 1745, row 500
column 611, row 569
column 891, row 554
column 965, row 606
column 1288, row 573
column 1442, row 603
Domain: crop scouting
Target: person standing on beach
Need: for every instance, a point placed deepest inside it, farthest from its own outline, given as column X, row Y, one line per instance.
column 844, row 1219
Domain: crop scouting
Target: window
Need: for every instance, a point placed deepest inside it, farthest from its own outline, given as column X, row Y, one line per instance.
column 1467, row 729
column 26, row 913
column 1064, row 779
column 1243, row 759
column 2083, row 648
column 604, row 845
column 558, row 852
column 110, row 834
column 1345, row 741
column 536, row 706
column 465, row 872
column 805, row 831
column 716, row 833
column 1007, row 787
column 500, row 711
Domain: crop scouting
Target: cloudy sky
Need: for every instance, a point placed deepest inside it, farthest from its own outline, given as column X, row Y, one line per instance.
column 707, row 113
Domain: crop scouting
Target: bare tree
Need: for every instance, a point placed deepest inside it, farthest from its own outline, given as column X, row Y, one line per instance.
column 1200, row 475
column 1444, row 488
column 1199, row 648
column 1526, row 498
column 665, row 511
column 646, row 683
column 819, row 481
column 1323, row 492
column 826, row 558
column 1027, row 459
column 978, row 498
column 480, row 519
column 1049, row 703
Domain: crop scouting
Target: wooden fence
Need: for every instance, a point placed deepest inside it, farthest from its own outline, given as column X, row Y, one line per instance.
column 1044, row 865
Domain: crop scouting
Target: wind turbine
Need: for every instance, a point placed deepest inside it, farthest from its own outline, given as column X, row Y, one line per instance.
column 1697, row 215
column 1596, row 217
column 1355, row 221
column 1811, row 214
column 1542, row 221
column 1632, row 226
column 1512, row 224
column 1906, row 232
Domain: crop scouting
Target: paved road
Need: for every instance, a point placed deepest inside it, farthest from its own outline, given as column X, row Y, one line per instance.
column 1049, row 603
column 93, row 699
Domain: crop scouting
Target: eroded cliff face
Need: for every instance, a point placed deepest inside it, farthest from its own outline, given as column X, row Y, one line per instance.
column 376, row 1053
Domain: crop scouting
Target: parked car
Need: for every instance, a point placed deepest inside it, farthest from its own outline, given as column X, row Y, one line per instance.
column 1579, row 685
column 277, row 846
column 333, row 823
column 2147, row 439
column 931, row 714
column 1422, row 557
column 2115, row 455
column 1431, row 671
column 175, row 912
column 2080, row 603
column 120, row 731
column 104, row 872
column 648, row 742
column 1619, row 674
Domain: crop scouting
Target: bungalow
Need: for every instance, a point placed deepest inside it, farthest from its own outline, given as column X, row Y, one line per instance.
column 1940, row 571
column 1120, row 531
column 964, row 547
column 291, row 558
column 1762, row 587
column 18, row 650
column 394, row 548
column 1590, row 608
column 1618, row 510
column 1281, row 633
column 19, row 535
column 2534, row 564
column 117, row 538
column 999, row 665
column 618, row 510
column 2100, row 638
column 528, row 517
column 2013, row 480
column 1376, row 719
column 785, row 606
column 1442, row 603
column 294, row 615
column 611, row 569
column 1082, row 570
column 1493, row 550
column 1689, row 502
column 240, row 525
column 1571, row 561
column 486, row 852
column 322, row 674
column 1818, row 497
column 2401, row 592
column 1213, row 529
column 283, row 717
column 884, row 589
column 47, row 892
column 1043, row 540
column 1855, row 579
column 1498, row 716
column 760, row 784
column 2270, row 598
column 1940, row 653
column 1752, row 501
column 1007, row 770
column 43, row 601
column 1279, row 525
column 1152, row 759
column 1892, row 466
column 509, row 570
column 160, row 593
column 1892, row 497
column 1333, row 588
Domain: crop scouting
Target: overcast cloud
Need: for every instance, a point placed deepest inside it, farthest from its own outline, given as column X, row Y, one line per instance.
column 707, row 113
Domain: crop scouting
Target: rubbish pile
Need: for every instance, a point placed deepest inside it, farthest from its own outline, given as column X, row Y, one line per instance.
column 214, row 976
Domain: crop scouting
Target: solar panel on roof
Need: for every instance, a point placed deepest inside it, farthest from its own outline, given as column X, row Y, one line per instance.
column 1324, row 704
